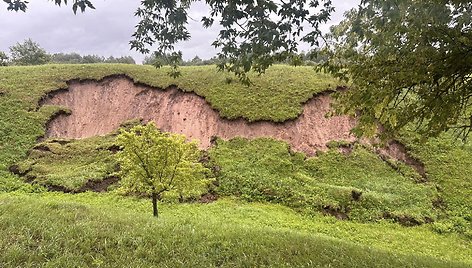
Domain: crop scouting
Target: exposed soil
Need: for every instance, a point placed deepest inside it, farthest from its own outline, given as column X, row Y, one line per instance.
column 346, row 149
column 407, row 221
column 398, row 151
column 15, row 169
column 356, row 195
column 338, row 213
column 208, row 198
column 99, row 186
column 94, row 186
column 100, row 107
column 42, row 147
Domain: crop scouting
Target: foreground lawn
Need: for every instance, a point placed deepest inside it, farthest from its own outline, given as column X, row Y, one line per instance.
column 62, row 230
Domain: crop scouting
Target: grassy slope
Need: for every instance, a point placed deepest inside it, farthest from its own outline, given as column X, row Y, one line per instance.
column 448, row 164
column 262, row 170
column 109, row 231
column 265, row 170
column 277, row 97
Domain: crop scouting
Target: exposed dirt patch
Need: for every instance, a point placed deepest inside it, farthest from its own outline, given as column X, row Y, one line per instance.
column 114, row 148
column 99, row 186
column 338, row 213
column 59, row 188
column 356, row 195
column 94, row 186
column 61, row 142
column 346, row 149
column 15, row 169
column 406, row 220
column 58, row 114
column 398, row 151
column 42, row 147
column 98, row 108
column 208, row 198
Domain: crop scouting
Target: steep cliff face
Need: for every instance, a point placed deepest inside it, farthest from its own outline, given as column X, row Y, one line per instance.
column 100, row 107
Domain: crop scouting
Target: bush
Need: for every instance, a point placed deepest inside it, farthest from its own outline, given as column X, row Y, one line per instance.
column 28, row 53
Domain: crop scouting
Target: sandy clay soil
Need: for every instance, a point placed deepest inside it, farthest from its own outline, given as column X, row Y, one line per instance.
column 100, row 107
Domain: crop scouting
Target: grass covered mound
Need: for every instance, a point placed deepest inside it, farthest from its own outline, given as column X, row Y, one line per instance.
column 104, row 230
column 70, row 165
column 357, row 186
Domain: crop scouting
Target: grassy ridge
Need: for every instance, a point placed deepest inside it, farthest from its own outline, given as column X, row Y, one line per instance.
column 108, row 231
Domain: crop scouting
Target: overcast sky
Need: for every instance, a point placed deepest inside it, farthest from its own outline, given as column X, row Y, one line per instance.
column 105, row 31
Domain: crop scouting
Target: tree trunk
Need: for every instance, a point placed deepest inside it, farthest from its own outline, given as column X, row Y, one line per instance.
column 154, row 205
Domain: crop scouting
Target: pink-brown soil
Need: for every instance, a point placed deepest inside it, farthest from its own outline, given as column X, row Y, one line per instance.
column 98, row 108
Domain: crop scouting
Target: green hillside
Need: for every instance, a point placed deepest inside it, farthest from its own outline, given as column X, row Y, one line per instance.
column 274, row 208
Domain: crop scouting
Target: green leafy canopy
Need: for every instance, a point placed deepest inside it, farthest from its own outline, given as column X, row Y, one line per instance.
column 28, row 53
column 408, row 62
column 154, row 162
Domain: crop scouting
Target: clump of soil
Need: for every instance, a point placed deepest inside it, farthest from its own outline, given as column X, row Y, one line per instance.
column 98, row 108
column 338, row 213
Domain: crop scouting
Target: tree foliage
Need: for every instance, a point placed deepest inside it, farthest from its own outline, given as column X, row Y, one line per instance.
column 408, row 62
column 154, row 162
column 17, row 5
column 254, row 34
column 75, row 58
column 28, row 53
column 3, row 59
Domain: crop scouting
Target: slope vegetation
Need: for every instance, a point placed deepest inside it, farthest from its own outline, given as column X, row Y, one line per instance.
column 308, row 188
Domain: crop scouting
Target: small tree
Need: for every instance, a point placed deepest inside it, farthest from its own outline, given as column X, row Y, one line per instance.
column 154, row 162
column 28, row 53
column 3, row 59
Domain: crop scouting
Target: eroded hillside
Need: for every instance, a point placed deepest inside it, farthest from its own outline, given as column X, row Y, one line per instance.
column 98, row 108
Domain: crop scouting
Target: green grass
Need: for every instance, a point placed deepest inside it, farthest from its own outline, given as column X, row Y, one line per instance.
column 60, row 230
column 448, row 163
column 262, row 170
column 70, row 164
column 265, row 170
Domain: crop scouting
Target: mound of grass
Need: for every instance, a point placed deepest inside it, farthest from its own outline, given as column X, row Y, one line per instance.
column 85, row 230
column 70, row 164
column 358, row 186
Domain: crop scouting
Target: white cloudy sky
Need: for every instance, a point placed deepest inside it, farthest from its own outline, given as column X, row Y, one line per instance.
column 105, row 31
